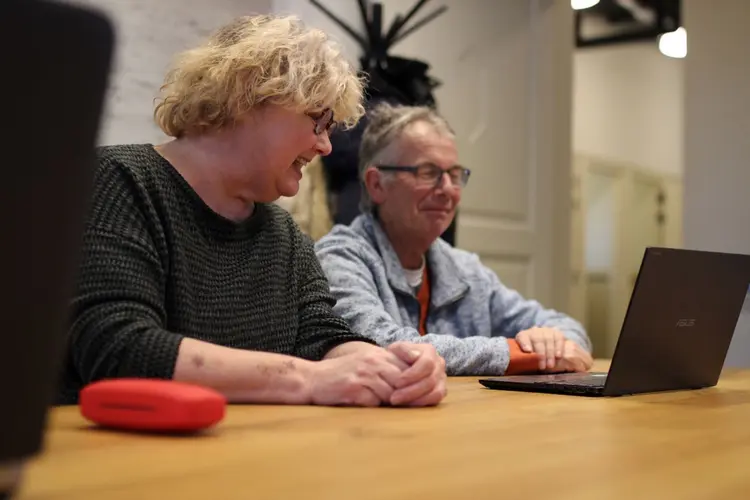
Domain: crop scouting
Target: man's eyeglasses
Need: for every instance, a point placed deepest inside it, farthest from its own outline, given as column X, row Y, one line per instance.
column 431, row 174
column 323, row 121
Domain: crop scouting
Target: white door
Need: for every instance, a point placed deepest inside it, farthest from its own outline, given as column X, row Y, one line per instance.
column 637, row 223
column 645, row 222
column 505, row 68
column 578, row 276
column 602, row 191
column 640, row 224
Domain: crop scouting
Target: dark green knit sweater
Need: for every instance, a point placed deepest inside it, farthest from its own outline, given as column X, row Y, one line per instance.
column 159, row 265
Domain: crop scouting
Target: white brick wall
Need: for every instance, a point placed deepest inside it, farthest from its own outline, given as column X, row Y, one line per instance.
column 149, row 33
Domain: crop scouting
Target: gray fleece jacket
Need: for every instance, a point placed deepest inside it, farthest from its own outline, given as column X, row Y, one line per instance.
column 471, row 315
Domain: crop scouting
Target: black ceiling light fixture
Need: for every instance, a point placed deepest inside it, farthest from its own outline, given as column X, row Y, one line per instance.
column 609, row 22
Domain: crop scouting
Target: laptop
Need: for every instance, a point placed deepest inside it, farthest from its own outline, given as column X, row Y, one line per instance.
column 56, row 61
column 680, row 321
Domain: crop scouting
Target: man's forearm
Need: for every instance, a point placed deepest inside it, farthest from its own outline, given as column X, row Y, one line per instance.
column 244, row 376
column 463, row 356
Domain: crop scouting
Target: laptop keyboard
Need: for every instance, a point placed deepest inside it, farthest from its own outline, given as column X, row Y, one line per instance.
column 574, row 383
column 583, row 382
column 578, row 379
column 590, row 384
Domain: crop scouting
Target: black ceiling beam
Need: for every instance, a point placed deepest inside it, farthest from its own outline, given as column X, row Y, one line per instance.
column 342, row 24
column 419, row 24
column 667, row 14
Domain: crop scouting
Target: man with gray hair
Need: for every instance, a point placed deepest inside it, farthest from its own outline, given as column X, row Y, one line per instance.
column 395, row 280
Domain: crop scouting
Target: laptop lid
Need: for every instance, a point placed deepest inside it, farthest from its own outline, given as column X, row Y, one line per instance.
column 56, row 59
column 682, row 314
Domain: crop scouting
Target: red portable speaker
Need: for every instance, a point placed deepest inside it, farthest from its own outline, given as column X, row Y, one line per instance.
column 151, row 405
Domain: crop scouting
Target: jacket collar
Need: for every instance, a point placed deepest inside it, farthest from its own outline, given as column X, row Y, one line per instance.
column 448, row 282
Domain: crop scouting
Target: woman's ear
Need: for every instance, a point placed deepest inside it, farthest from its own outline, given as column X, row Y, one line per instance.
column 375, row 185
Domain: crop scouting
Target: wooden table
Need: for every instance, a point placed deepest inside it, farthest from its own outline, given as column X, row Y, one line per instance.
column 477, row 444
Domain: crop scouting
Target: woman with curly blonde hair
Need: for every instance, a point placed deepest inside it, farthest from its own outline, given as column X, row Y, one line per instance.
column 189, row 272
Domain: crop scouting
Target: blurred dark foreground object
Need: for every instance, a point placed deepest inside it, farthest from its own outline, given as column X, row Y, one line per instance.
column 56, row 63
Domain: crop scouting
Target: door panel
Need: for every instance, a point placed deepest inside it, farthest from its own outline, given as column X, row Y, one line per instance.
column 505, row 69
column 513, row 274
column 578, row 281
column 645, row 222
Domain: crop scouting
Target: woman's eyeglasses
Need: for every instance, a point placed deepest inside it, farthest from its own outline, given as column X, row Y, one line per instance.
column 431, row 174
column 323, row 121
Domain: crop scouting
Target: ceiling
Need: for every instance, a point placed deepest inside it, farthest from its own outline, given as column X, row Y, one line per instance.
column 625, row 21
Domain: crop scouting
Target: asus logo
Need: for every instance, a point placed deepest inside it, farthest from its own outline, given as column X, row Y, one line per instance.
column 685, row 323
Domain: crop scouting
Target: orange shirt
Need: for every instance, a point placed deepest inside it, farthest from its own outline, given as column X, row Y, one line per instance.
column 423, row 296
column 520, row 362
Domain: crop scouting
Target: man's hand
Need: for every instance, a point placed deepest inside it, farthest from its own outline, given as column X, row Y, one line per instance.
column 361, row 375
column 548, row 343
column 574, row 359
column 423, row 383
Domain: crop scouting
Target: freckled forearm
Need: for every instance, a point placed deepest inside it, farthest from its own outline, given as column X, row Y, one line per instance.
column 244, row 376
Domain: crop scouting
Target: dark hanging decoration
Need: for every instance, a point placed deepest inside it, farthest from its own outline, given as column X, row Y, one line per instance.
column 393, row 79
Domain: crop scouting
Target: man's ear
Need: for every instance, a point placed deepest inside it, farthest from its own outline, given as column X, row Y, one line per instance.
column 374, row 182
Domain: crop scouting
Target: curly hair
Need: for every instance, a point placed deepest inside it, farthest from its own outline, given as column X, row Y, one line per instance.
column 255, row 60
